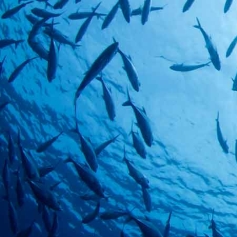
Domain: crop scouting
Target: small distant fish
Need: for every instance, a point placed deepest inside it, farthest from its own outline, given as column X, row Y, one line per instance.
column 99, row 64
column 6, row 42
column 222, row 141
column 146, row 11
column 187, row 5
column 186, row 68
column 48, row 143
column 81, row 32
column 110, row 16
column 210, row 47
column 126, row 10
column 114, row 214
column 13, row 219
column 146, row 198
column 227, row 5
column 234, row 87
column 3, row 105
column 231, row 47
column 43, row 13
column 130, row 70
column 14, row 10
column 18, row 69
column 138, row 11
column 215, row 232
column 82, row 15
column 91, row 216
column 167, row 226
column 109, row 103
column 55, row 226
column 60, row 4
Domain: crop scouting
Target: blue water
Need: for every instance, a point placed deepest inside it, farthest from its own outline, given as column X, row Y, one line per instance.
column 189, row 173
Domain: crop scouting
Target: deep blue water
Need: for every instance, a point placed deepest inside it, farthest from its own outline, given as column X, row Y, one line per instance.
column 188, row 171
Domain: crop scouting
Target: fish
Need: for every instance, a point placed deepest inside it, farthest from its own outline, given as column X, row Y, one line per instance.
column 55, row 226
column 186, row 68
column 44, row 195
column 142, row 120
column 227, row 5
column 234, row 87
column 136, row 174
column 85, row 25
column 222, row 141
column 43, row 13
column 91, row 196
column 88, row 177
column 61, row 38
column 6, row 178
column 114, row 214
column 46, row 218
column 138, row 11
column 14, row 10
column 1, row 65
column 20, row 192
column 138, row 143
column 27, row 231
column 146, row 11
column 6, row 42
column 98, row 65
column 110, row 16
column 109, row 103
column 146, row 199
column 13, row 219
column 82, row 15
column 60, row 4
column 167, row 226
column 215, row 232
column 126, row 10
column 52, row 60
column 91, row 216
column 231, row 47
column 42, row 147
column 130, row 70
column 3, row 105
column 236, row 150
column 187, row 5
column 103, row 145
column 43, row 171
column 11, row 149
column 210, row 47
column 39, row 49
column 18, row 69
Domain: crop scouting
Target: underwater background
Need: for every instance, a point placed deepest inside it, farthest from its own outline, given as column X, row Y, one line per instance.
column 188, row 171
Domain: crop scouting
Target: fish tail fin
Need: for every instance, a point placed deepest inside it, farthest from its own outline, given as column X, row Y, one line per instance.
column 128, row 102
column 95, row 8
column 217, row 118
column 198, row 26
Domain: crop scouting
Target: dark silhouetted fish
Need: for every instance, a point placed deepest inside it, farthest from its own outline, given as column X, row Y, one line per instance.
column 138, row 144
column 88, row 177
column 1, row 65
column 210, row 47
column 18, row 69
column 142, row 120
column 215, row 232
column 110, row 16
column 43, row 171
column 6, row 42
column 82, row 15
column 167, row 226
column 146, row 11
column 187, row 5
column 103, row 145
column 99, row 64
column 146, row 199
column 186, row 68
column 85, row 25
column 138, row 11
column 43, row 13
column 48, row 143
column 20, row 192
column 13, row 219
column 109, row 103
column 234, row 87
column 60, row 4
column 111, row 215
column 55, row 226
column 46, row 218
column 91, row 196
column 27, row 231
column 227, row 5
column 222, row 141
column 131, row 71
column 6, row 178
column 126, row 10
column 231, row 47
column 3, row 105
column 91, row 216
column 136, row 174
column 13, row 11
column 11, row 149
column 44, row 195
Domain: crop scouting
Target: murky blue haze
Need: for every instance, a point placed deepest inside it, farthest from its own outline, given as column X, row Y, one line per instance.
column 188, row 171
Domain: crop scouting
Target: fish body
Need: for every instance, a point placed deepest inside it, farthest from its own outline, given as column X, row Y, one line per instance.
column 111, row 215
column 109, row 103
column 14, row 10
column 138, row 11
column 167, row 226
column 43, row 13
column 227, row 5
column 6, row 178
column 210, row 47
column 82, row 15
column 85, row 25
column 231, row 47
column 12, row 214
column 146, row 11
column 220, row 138
column 186, row 68
column 234, row 87
column 46, row 218
column 20, row 192
column 126, row 10
column 187, row 5
column 6, row 42
column 142, row 120
column 110, row 16
column 39, row 49
column 130, row 70
column 99, row 64
column 60, row 4
column 11, row 149
column 146, row 199
column 48, row 143
column 55, row 226
column 91, row 216
column 18, row 69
